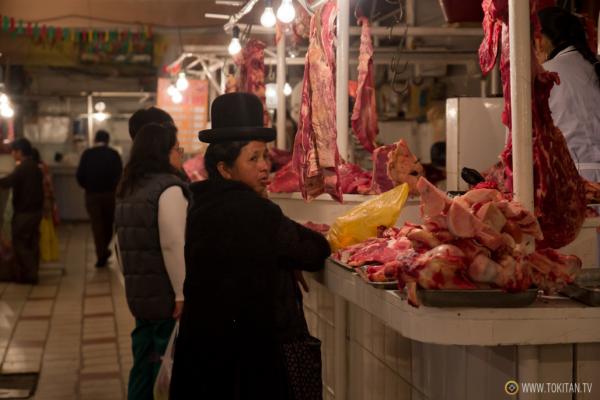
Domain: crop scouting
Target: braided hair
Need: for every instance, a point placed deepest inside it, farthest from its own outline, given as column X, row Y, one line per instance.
column 565, row 29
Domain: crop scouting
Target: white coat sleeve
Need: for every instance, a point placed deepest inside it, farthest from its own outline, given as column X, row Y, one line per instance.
column 172, row 213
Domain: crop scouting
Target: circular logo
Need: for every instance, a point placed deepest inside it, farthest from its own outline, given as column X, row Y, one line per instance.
column 511, row 388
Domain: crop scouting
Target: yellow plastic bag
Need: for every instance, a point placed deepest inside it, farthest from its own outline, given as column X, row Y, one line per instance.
column 48, row 241
column 362, row 221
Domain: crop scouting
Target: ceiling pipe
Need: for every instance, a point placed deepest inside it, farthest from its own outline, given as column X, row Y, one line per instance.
column 233, row 20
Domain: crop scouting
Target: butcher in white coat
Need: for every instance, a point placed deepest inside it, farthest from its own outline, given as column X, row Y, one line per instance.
column 575, row 102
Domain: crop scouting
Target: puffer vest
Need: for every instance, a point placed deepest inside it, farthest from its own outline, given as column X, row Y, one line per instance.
column 147, row 286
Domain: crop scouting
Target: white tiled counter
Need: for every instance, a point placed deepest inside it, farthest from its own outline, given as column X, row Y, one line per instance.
column 395, row 351
column 377, row 347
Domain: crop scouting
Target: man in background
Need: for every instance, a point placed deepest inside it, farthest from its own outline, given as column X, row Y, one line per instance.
column 98, row 174
column 26, row 182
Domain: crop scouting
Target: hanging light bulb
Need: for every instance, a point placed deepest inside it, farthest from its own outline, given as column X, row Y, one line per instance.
column 267, row 18
column 171, row 90
column 287, row 89
column 177, row 97
column 235, row 46
column 182, row 83
column 286, row 12
column 3, row 99
column 6, row 110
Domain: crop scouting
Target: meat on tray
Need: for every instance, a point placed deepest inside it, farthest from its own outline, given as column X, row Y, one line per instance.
column 393, row 165
column 560, row 203
column 316, row 157
column 364, row 114
column 479, row 240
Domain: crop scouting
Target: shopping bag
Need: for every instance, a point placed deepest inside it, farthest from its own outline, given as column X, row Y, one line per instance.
column 163, row 379
column 362, row 221
column 48, row 241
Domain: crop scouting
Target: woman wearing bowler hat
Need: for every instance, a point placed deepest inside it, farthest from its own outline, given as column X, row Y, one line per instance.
column 242, row 333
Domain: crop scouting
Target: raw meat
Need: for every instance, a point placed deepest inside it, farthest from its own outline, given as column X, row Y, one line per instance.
column 381, row 180
column 321, row 228
column 364, row 114
column 285, row 180
column 251, row 62
column 279, row 158
column 353, row 180
column 316, row 157
column 478, row 240
column 403, row 167
column 194, row 168
column 559, row 190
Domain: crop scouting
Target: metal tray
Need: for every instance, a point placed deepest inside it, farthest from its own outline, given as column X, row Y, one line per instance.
column 390, row 285
column 476, row 298
column 586, row 288
column 341, row 264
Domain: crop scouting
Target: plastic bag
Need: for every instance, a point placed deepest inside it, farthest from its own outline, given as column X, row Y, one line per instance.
column 362, row 221
column 163, row 379
column 48, row 241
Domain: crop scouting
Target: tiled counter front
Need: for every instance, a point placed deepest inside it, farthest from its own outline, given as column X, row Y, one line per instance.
column 436, row 362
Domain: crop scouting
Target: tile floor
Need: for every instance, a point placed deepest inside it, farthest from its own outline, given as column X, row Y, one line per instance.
column 72, row 328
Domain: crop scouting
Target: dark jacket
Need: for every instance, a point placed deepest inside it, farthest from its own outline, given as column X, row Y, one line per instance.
column 148, row 288
column 27, row 184
column 99, row 169
column 240, row 299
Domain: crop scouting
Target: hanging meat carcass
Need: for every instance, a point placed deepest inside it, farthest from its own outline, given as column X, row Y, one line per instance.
column 316, row 157
column 560, row 203
column 364, row 114
column 251, row 78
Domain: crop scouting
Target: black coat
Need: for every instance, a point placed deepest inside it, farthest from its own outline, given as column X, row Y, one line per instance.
column 240, row 294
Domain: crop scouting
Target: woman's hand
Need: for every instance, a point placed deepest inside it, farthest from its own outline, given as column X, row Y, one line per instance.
column 178, row 310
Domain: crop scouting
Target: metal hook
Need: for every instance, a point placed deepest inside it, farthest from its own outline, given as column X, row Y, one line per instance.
column 400, row 89
column 357, row 11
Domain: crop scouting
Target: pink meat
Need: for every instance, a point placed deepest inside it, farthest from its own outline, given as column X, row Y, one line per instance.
column 285, row 180
column 251, row 62
column 403, row 167
column 316, row 158
column 559, row 190
column 433, row 200
column 194, row 168
column 354, row 179
column 381, row 180
column 364, row 115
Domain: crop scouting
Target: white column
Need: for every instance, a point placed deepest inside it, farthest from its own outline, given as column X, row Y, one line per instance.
column 520, row 92
column 341, row 80
column 280, row 96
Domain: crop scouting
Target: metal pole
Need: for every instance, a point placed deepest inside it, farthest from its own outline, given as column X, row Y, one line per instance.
column 384, row 31
column 90, row 121
column 520, row 92
column 281, row 144
column 341, row 80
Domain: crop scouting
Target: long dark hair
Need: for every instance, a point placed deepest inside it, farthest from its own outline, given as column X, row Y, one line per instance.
column 149, row 155
column 565, row 29
column 226, row 152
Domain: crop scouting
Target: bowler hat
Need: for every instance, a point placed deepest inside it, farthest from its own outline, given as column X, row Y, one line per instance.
column 236, row 116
